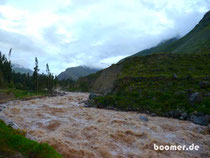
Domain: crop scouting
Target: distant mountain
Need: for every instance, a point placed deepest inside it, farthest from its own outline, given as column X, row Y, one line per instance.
column 75, row 73
column 20, row 69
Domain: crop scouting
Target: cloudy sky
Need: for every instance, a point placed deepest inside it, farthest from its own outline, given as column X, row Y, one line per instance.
column 96, row 33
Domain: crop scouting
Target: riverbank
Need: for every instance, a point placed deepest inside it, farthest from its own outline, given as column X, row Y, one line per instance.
column 7, row 95
column 15, row 142
column 76, row 131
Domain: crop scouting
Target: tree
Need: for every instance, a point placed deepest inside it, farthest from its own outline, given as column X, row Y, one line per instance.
column 10, row 53
column 36, row 75
column 5, row 68
column 9, row 66
column 48, row 77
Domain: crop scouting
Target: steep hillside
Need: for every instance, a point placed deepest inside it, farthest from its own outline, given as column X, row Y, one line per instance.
column 162, row 82
column 20, row 69
column 100, row 82
column 75, row 72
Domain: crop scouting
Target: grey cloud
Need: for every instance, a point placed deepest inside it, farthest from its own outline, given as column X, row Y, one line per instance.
column 105, row 29
column 18, row 41
column 51, row 35
column 24, row 49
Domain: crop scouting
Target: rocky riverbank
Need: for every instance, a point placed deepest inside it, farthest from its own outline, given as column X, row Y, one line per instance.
column 196, row 117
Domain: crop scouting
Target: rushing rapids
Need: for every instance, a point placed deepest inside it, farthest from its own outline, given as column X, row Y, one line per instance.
column 76, row 131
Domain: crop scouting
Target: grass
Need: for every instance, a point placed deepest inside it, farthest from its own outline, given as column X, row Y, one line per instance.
column 21, row 94
column 13, row 141
column 148, row 84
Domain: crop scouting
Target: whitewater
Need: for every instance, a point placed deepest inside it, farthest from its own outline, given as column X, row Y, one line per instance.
column 80, row 132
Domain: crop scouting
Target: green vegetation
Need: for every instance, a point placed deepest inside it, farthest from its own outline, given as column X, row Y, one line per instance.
column 21, row 94
column 13, row 141
column 37, row 82
column 160, row 83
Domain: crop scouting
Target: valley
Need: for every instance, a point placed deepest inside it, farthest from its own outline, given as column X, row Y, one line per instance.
column 154, row 89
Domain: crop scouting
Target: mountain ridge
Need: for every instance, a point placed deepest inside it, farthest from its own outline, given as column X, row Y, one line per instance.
column 75, row 72
column 20, row 69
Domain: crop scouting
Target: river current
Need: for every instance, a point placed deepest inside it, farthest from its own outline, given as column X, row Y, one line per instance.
column 79, row 132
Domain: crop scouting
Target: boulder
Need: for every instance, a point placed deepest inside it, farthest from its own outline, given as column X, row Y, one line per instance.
column 147, row 112
column 62, row 94
column 183, row 116
column 143, row 118
column 9, row 122
column 89, row 103
column 153, row 114
column 2, row 107
column 174, row 114
column 199, row 114
column 200, row 120
column 92, row 96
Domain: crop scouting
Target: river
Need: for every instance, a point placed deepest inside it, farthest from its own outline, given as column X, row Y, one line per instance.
column 79, row 132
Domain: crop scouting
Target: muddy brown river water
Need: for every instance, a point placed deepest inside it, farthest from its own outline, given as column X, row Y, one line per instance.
column 79, row 132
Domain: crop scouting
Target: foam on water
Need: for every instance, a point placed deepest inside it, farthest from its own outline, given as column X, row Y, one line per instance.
column 76, row 131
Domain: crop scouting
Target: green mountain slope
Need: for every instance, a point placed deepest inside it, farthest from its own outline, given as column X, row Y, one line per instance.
column 75, row 72
column 157, row 49
column 197, row 40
